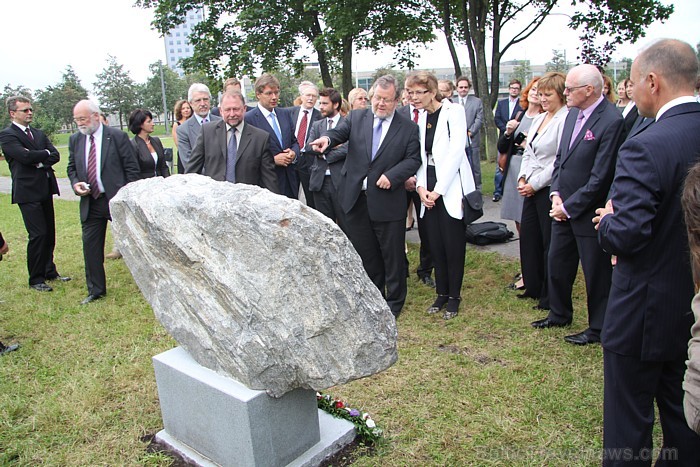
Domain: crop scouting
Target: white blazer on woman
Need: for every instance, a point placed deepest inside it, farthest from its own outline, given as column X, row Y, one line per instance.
column 537, row 166
column 450, row 159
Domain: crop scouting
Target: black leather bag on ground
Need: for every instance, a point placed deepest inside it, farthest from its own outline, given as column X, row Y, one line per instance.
column 486, row 233
column 472, row 207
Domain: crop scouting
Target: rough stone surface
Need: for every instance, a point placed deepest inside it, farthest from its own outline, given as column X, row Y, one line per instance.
column 253, row 285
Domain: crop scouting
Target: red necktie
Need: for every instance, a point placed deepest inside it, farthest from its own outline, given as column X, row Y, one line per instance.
column 415, row 115
column 92, row 169
column 301, row 135
column 29, row 133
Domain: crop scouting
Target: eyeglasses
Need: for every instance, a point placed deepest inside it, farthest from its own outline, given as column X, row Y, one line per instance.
column 416, row 93
column 514, row 88
column 571, row 89
column 362, row 98
column 384, row 100
column 81, row 120
column 28, row 109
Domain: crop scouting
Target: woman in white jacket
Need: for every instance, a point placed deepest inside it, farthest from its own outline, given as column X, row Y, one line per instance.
column 442, row 179
column 534, row 180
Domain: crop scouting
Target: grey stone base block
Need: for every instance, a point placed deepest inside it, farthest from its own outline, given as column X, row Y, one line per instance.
column 214, row 420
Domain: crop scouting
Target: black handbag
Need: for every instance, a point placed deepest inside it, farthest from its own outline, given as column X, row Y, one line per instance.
column 472, row 205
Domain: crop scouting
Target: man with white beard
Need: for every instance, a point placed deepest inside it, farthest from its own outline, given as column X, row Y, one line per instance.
column 101, row 160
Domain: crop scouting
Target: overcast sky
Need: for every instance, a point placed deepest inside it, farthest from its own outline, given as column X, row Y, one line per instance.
column 44, row 36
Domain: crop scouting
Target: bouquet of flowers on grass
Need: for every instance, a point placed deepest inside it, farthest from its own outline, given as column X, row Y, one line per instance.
column 365, row 427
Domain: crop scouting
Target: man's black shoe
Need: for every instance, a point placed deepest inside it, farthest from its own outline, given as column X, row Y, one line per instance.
column 41, row 287
column 548, row 323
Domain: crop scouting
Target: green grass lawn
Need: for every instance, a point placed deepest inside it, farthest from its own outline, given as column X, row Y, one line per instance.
column 482, row 389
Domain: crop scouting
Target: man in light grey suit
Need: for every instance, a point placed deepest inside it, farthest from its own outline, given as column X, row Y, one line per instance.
column 474, row 111
column 229, row 150
column 199, row 98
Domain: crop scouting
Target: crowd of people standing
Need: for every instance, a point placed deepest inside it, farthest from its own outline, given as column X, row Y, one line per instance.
column 587, row 177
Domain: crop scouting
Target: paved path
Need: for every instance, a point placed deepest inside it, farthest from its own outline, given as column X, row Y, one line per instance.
column 492, row 212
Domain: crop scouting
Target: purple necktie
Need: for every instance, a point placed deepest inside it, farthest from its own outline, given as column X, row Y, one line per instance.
column 92, row 169
column 577, row 127
column 29, row 133
column 376, row 137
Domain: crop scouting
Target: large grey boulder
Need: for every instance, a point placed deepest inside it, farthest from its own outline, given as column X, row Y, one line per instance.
column 253, row 285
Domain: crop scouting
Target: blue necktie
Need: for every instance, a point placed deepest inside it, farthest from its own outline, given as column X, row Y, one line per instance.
column 275, row 127
column 231, row 158
column 376, row 137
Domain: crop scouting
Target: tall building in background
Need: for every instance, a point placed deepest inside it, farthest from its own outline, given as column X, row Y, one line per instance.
column 177, row 42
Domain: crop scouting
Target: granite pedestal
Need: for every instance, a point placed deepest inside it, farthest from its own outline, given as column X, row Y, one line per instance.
column 214, row 420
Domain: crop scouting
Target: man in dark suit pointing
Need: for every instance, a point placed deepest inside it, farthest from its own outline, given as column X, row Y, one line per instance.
column 583, row 171
column 383, row 151
column 31, row 156
column 101, row 160
column 648, row 320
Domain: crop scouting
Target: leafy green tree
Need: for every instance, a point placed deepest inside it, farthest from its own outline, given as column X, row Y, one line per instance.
column 476, row 22
column 175, row 89
column 522, row 72
column 558, row 62
column 271, row 35
column 116, row 90
column 58, row 101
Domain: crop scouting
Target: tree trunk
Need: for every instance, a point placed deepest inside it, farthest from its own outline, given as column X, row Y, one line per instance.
column 320, row 47
column 447, row 29
column 347, row 64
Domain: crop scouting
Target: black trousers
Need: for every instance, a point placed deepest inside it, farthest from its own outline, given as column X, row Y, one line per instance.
column 535, row 236
column 631, row 388
column 381, row 248
column 94, row 231
column 448, row 245
column 326, row 201
column 303, row 168
column 425, row 267
column 39, row 220
column 565, row 249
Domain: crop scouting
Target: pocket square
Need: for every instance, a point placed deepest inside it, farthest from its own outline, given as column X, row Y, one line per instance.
column 588, row 136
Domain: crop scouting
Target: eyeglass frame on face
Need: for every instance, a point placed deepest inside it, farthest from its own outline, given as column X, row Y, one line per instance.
column 384, row 100
column 28, row 109
column 81, row 120
column 417, row 93
column 570, row 89
column 271, row 93
column 515, row 86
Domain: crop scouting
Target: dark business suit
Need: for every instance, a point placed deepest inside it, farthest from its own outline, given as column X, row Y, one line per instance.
column 648, row 319
column 147, row 165
column 187, row 135
column 303, row 165
column 118, row 166
column 501, row 118
column 425, row 265
column 324, row 188
column 376, row 217
column 254, row 162
column 286, row 176
column 630, row 120
column 33, row 189
column 582, row 177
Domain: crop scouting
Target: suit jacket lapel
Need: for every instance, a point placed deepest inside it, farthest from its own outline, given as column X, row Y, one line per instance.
column 80, row 156
column 588, row 124
column 26, row 140
column 368, row 124
column 243, row 143
column 106, row 141
column 222, row 137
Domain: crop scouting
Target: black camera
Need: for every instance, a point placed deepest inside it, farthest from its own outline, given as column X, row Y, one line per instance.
column 519, row 138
